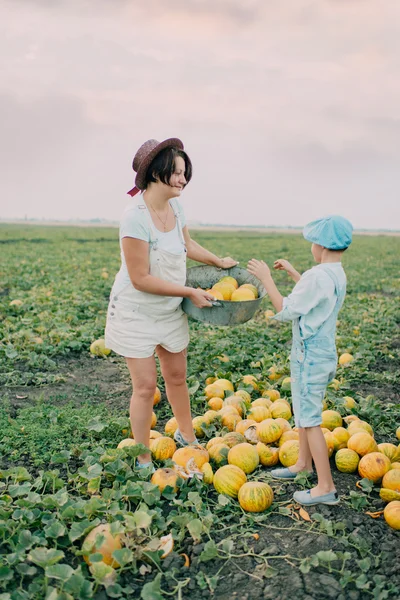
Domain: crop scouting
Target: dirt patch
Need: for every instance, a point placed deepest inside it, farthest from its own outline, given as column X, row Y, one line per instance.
column 87, row 378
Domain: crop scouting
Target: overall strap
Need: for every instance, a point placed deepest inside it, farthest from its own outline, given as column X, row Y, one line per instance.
column 178, row 220
column 338, row 304
column 153, row 234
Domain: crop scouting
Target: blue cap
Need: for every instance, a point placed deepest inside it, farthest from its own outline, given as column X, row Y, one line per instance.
column 333, row 233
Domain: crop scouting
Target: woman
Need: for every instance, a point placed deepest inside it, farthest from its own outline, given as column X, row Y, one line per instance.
column 145, row 315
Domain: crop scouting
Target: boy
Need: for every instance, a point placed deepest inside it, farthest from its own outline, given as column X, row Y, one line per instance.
column 313, row 307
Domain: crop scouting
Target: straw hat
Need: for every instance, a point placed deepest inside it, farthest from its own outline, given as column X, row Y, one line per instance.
column 144, row 156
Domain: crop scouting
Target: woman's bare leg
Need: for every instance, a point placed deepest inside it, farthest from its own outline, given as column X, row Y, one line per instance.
column 173, row 369
column 144, row 380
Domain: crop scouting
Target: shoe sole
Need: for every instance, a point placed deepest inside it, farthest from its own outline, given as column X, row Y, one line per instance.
column 315, row 503
column 287, row 478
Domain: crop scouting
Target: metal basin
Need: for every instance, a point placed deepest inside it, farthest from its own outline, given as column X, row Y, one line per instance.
column 223, row 313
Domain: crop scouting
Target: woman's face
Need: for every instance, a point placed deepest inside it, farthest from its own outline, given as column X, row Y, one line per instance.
column 178, row 181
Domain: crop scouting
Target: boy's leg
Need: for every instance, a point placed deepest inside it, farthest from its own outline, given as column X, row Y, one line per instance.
column 319, row 453
column 304, row 462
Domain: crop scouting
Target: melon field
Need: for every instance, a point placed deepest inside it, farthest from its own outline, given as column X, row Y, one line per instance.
column 64, row 411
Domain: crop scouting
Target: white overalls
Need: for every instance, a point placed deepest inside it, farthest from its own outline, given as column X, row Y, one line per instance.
column 137, row 322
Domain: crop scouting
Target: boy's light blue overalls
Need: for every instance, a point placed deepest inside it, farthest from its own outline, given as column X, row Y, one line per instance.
column 313, row 364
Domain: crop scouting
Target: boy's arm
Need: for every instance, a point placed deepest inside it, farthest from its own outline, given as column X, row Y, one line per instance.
column 284, row 265
column 260, row 269
column 305, row 296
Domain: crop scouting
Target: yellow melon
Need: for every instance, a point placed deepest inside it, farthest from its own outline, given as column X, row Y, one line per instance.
column 244, row 456
column 281, row 410
column 363, row 443
column 98, row 348
column 259, row 413
column 268, row 455
column 358, row 425
column 171, row 426
column 162, row 448
column 153, row 420
column 349, row 402
column 233, row 438
column 330, row 442
column 213, row 441
column 126, row 443
column 251, row 287
column 225, row 384
column 242, row 426
column 268, row 431
column 229, row 279
column 237, row 402
column 271, row 394
column 105, row 547
column 396, row 465
column 331, row 419
column 250, row 380
column 388, row 495
column 197, row 453
column 398, row 433
column 210, row 416
column 244, row 395
column 262, row 402
column 273, row 374
column 230, row 421
column 165, row 477
column 219, row 453
column 228, row 480
column 392, row 514
column 157, row 397
column 346, row 460
column 208, row 474
column 198, row 424
column 390, row 450
column 226, row 289
column 289, row 453
column 215, row 403
column 214, row 391
column 242, row 295
column 288, row 435
column 340, row 437
column 391, row 480
column 284, row 424
column 345, row 358
column 373, row 466
column 255, row 496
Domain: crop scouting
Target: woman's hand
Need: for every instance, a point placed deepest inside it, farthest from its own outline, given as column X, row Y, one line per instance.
column 201, row 298
column 227, row 263
column 283, row 265
column 259, row 269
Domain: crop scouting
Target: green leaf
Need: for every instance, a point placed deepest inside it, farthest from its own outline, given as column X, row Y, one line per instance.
column 326, row 555
column 6, row 574
column 103, row 573
column 223, row 500
column 80, row 528
column 140, row 520
column 152, row 590
column 19, row 474
column 362, row 582
column 26, row 570
column 270, row 572
column 364, row 564
column 19, row 489
column 54, row 530
column 96, row 424
column 45, row 557
column 210, row 552
column 25, row 539
column 60, row 571
column 195, row 527
column 123, row 556
column 227, row 546
column 79, row 587
column 60, row 458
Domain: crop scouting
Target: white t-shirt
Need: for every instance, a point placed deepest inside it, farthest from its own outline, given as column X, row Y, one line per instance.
column 135, row 224
column 313, row 298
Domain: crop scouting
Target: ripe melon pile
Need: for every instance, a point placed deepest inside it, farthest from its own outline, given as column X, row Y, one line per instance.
column 228, row 289
column 254, row 430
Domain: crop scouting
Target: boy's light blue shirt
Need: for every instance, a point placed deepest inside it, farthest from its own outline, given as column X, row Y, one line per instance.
column 313, row 298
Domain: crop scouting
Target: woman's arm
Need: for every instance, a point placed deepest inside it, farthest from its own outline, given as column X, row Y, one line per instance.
column 136, row 253
column 200, row 254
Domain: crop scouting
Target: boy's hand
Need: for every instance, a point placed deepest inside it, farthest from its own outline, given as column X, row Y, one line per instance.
column 283, row 265
column 258, row 268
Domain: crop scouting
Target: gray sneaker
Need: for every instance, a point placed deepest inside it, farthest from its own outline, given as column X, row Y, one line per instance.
column 286, row 474
column 305, row 498
column 179, row 439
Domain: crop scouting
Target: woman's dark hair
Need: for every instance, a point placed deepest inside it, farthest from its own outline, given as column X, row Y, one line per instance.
column 162, row 166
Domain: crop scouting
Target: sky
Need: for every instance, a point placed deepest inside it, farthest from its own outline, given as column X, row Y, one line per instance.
column 289, row 110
